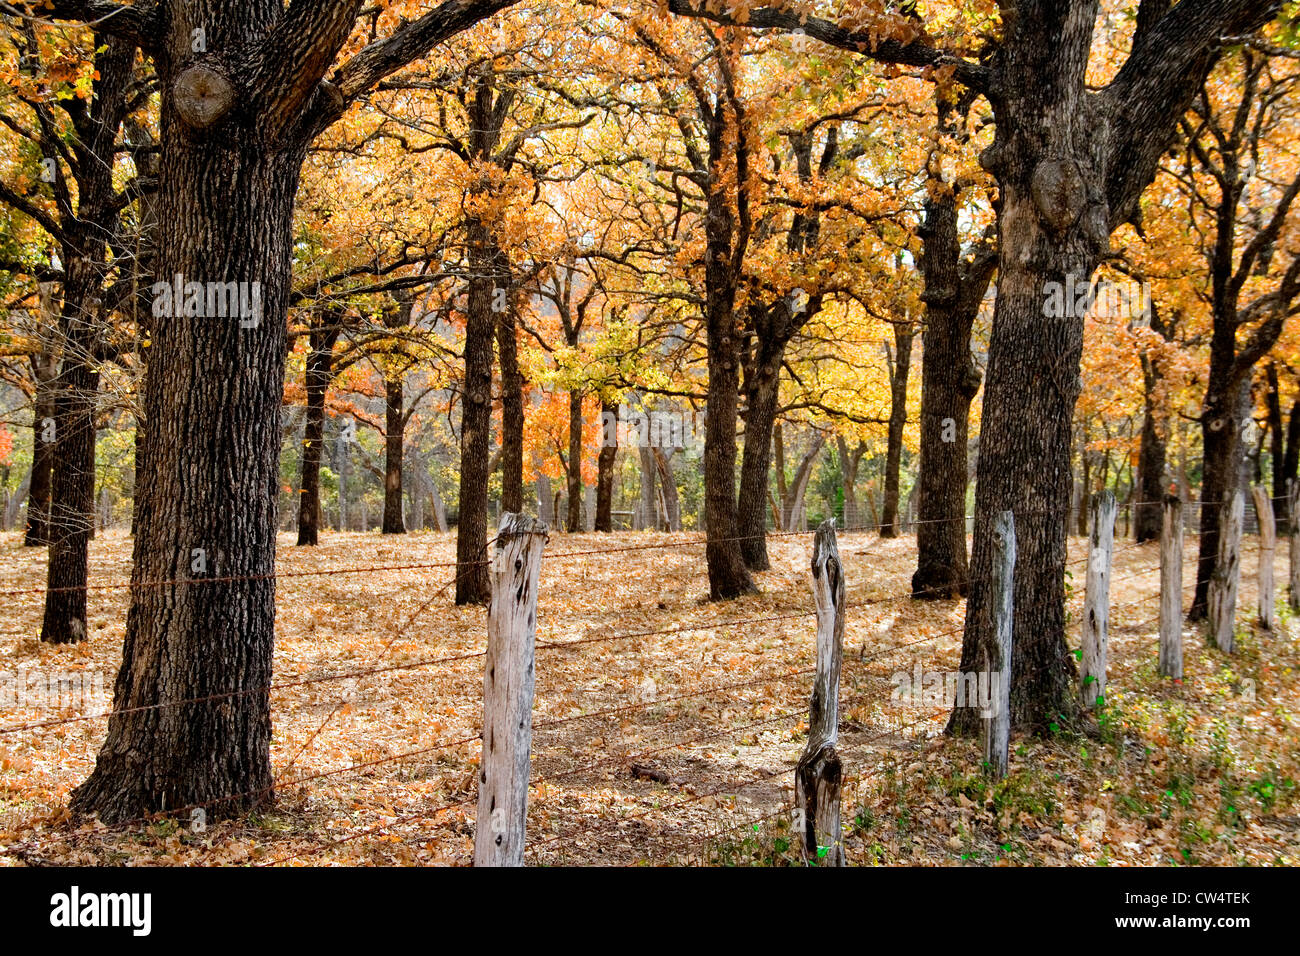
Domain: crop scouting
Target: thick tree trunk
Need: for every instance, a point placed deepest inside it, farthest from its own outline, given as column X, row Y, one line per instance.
column 472, row 582
column 949, row 383
column 226, row 202
column 1052, row 230
column 756, row 460
column 512, row 414
column 394, row 442
column 573, row 519
column 900, row 368
column 728, row 576
column 489, row 276
column 319, row 361
column 609, row 415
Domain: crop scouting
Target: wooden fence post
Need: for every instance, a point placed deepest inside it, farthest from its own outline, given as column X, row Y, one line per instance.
column 997, row 724
column 817, row 776
column 1293, row 532
column 508, row 693
column 1222, row 598
column 1171, row 589
column 1096, row 608
column 1267, row 548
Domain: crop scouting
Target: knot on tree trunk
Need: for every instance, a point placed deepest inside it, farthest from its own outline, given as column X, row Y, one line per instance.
column 1059, row 193
column 203, row 95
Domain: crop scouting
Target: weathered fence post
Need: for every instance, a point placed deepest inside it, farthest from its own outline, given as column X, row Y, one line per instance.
column 1171, row 589
column 1267, row 547
column 1222, row 598
column 997, row 723
column 817, row 776
column 508, row 693
column 1293, row 532
column 1096, row 608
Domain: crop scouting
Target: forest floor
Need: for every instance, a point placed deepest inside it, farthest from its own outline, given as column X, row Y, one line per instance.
column 380, row 769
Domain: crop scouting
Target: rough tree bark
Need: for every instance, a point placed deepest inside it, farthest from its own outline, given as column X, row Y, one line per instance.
column 487, row 110
column 1070, row 162
column 84, row 246
column 850, row 461
column 191, row 722
column 954, row 287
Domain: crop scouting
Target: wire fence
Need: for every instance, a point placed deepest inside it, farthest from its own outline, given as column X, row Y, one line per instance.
column 643, row 771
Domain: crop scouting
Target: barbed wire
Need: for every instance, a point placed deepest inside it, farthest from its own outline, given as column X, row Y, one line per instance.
column 282, row 783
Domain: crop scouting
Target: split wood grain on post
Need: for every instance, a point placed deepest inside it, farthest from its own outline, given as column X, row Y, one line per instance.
column 508, row 682
column 819, row 772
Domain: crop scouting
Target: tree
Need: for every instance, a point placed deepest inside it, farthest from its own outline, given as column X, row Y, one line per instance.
column 956, row 281
column 79, row 142
column 1061, row 195
column 1241, row 200
column 900, row 364
column 245, row 93
column 324, row 327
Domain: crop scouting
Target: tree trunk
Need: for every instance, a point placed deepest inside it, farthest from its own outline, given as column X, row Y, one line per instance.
column 900, row 367
column 671, row 502
column 793, row 496
column 573, row 519
column 512, row 414
column 756, row 461
column 1052, row 230
column 394, row 441
column 849, row 464
column 44, row 370
column 226, row 203
column 319, row 361
column 72, row 490
column 75, row 391
column 1148, row 517
column 1226, row 408
column 725, row 246
column 1285, row 436
column 472, row 583
column 649, row 509
column 728, row 576
column 949, row 383
column 488, row 273
column 609, row 414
